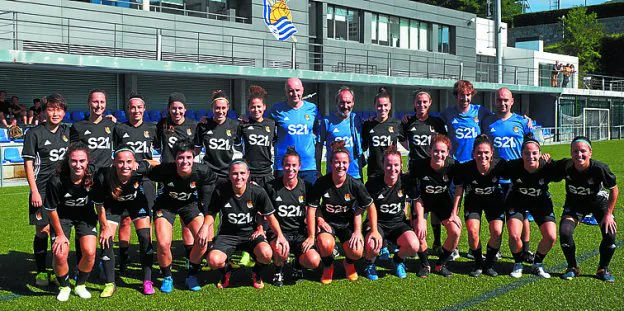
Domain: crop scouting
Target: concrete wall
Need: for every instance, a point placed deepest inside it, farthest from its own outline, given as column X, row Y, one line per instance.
column 486, row 36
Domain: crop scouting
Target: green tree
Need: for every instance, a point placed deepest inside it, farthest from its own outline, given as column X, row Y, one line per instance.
column 582, row 36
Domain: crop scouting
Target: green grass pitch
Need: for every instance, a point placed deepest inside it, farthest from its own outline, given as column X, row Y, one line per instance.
column 17, row 291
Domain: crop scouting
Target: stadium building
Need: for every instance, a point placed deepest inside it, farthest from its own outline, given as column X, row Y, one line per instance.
column 195, row 46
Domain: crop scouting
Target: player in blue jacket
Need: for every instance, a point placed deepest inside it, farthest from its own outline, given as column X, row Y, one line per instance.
column 296, row 121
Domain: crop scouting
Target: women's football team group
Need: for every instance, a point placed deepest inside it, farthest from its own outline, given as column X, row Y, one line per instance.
column 274, row 201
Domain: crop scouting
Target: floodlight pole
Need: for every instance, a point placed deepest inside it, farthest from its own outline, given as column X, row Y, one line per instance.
column 499, row 41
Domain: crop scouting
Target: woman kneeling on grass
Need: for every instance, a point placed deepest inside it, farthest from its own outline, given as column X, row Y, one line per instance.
column 339, row 217
column 479, row 179
column 118, row 190
column 239, row 202
column 67, row 204
column 530, row 177
column 434, row 179
column 289, row 196
column 585, row 179
column 391, row 193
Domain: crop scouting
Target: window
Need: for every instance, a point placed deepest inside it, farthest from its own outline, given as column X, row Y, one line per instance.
column 330, row 21
column 401, row 32
column 404, row 33
column 353, row 21
column 343, row 23
column 444, row 43
column 382, row 32
column 413, row 35
column 423, row 36
column 394, row 31
column 374, row 29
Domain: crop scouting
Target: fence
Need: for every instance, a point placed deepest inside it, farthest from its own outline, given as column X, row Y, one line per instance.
column 565, row 134
column 39, row 33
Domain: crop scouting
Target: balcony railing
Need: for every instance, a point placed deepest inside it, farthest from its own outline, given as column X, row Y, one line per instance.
column 32, row 32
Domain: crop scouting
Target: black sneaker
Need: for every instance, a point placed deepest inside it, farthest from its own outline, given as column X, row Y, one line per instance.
column 443, row 271
column 278, row 279
column 476, row 272
column 424, row 271
column 529, row 257
column 296, row 275
column 491, row 272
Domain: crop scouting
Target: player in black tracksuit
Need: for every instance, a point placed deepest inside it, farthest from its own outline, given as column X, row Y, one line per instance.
column 380, row 133
column 44, row 148
column 342, row 200
column 530, row 177
column 238, row 202
column 97, row 133
column 418, row 130
column 289, row 195
column 392, row 192
column 118, row 189
column 186, row 191
column 68, row 205
column 138, row 136
column 219, row 135
column 434, row 176
column 169, row 130
column 479, row 179
column 587, row 182
column 258, row 138
column 173, row 127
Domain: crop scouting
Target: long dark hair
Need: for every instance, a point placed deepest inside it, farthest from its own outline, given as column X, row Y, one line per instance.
column 64, row 170
column 115, row 184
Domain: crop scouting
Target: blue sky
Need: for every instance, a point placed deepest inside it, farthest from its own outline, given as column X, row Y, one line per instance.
column 543, row 5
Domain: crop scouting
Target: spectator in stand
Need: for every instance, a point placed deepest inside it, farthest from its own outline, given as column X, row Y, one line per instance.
column 555, row 74
column 4, row 109
column 34, row 113
column 568, row 70
column 18, row 110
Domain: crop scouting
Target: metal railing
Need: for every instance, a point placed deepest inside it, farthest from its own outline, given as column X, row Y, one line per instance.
column 33, row 32
column 565, row 134
column 605, row 83
column 196, row 9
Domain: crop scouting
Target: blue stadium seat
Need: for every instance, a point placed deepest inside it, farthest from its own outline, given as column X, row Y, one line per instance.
column 155, row 115
column 200, row 113
column 67, row 118
column 190, row 114
column 146, row 117
column 120, row 115
column 232, row 114
column 4, row 136
column 77, row 116
column 434, row 114
column 12, row 154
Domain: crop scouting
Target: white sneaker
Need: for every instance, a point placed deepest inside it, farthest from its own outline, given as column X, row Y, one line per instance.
column 82, row 292
column 454, row 254
column 517, row 271
column 63, row 294
column 538, row 269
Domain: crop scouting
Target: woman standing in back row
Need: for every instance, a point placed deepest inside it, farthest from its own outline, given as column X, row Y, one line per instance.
column 258, row 138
